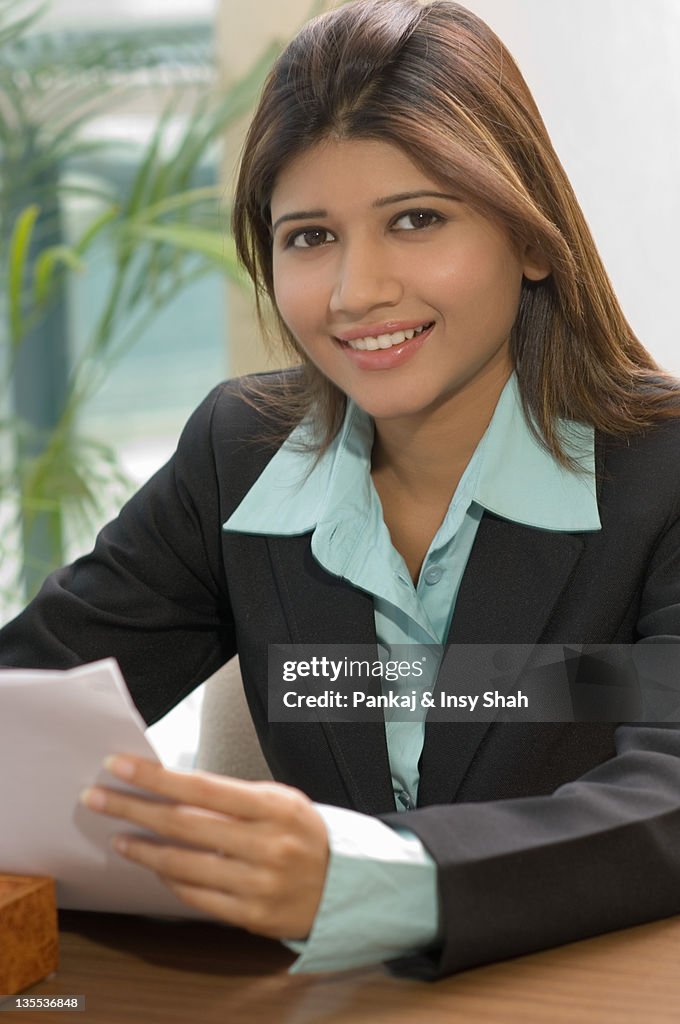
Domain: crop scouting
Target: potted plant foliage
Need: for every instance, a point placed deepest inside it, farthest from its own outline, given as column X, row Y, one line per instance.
column 163, row 231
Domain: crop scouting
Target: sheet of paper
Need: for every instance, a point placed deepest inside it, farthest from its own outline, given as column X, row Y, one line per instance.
column 56, row 728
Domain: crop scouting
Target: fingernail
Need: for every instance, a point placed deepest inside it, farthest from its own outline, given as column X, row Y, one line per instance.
column 123, row 767
column 93, row 798
column 120, row 844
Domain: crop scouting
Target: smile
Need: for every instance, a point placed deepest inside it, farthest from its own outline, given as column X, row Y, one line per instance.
column 385, row 340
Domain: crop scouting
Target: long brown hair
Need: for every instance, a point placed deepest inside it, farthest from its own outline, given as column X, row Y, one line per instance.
column 436, row 81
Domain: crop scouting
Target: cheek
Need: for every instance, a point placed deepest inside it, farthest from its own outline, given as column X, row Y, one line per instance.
column 481, row 286
column 284, row 293
column 297, row 300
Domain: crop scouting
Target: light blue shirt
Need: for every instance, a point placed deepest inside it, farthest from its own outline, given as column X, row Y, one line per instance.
column 359, row 920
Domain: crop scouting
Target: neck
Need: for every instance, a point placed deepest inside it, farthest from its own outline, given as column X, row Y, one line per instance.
column 427, row 453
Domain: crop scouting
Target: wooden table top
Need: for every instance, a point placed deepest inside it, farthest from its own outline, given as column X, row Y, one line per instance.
column 134, row 969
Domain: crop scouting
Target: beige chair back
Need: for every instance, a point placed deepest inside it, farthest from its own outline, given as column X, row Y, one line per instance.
column 228, row 743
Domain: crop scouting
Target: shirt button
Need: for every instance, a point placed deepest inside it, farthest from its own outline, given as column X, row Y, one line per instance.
column 433, row 574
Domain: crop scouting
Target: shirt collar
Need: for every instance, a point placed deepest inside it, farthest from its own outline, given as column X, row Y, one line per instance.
column 520, row 480
column 517, row 478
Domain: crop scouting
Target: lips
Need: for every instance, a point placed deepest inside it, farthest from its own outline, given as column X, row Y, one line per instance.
column 371, row 343
column 386, row 358
column 376, row 330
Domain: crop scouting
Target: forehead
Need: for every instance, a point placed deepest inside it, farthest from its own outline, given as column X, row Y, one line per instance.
column 345, row 169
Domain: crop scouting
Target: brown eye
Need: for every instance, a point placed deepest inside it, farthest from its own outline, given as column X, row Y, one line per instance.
column 416, row 219
column 310, row 238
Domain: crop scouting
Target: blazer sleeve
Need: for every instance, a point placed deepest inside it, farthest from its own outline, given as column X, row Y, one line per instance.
column 152, row 592
column 600, row 853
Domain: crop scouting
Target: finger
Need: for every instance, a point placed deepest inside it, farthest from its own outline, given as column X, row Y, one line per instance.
column 211, row 883
column 208, row 870
column 249, row 841
column 193, row 825
column 252, row 800
column 228, row 907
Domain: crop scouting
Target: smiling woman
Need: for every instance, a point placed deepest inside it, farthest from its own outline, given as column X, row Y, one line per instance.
column 435, row 83
column 374, row 265
column 463, row 459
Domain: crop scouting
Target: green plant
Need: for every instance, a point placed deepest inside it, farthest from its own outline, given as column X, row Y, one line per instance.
column 163, row 233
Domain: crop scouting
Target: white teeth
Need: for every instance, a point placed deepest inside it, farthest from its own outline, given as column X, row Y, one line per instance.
column 386, row 340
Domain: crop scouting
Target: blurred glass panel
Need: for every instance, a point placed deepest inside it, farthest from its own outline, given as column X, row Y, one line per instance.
column 151, row 389
column 86, row 14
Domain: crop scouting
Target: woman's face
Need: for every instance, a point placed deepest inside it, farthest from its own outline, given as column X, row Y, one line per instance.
column 368, row 249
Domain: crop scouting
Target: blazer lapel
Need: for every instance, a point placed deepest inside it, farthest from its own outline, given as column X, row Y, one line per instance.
column 323, row 609
column 512, row 581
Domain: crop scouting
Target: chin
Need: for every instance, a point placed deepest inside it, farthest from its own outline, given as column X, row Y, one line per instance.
column 385, row 407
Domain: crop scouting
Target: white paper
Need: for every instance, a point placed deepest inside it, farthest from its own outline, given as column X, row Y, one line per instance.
column 56, row 728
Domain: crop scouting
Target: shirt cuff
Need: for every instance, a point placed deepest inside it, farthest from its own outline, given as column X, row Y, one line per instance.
column 379, row 900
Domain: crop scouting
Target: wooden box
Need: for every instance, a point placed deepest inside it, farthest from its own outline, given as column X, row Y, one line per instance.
column 29, row 943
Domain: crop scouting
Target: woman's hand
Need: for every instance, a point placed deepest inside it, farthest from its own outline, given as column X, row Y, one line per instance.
column 253, row 854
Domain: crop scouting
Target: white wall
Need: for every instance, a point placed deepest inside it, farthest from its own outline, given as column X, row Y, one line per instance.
column 606, row 75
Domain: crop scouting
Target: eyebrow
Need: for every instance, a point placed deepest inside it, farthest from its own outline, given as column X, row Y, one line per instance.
column 399, row 197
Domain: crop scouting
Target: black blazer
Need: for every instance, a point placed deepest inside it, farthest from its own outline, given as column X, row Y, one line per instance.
column 542, row 833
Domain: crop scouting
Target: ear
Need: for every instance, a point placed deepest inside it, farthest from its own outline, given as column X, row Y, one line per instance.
column 535, row 266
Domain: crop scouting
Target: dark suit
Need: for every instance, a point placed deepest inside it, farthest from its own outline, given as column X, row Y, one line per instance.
column 172, row 597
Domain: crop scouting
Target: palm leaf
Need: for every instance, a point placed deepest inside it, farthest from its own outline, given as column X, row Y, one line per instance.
column 216, row 247
column 164, row 234
column 46, row 266
column 17, row 29
column 19, row 245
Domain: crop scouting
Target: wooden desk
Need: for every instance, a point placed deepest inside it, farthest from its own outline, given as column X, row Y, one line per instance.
column 134, row 969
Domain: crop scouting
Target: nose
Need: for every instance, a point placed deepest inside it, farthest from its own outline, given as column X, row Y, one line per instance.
column 365, row 279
